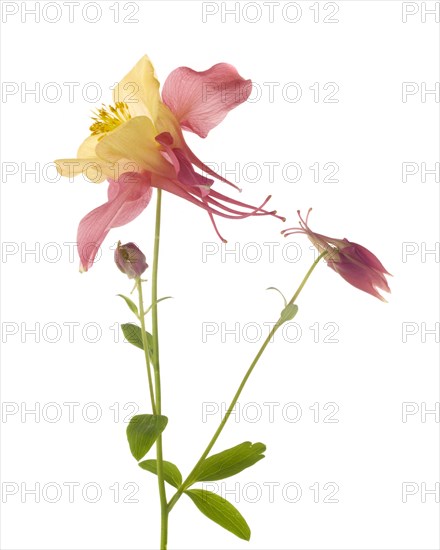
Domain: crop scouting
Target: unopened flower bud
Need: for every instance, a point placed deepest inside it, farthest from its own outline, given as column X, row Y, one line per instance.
column 352, row 261
column 130, row 260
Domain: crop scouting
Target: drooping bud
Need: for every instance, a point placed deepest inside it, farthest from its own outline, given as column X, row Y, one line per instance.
column 352, row 261
column 130, row 260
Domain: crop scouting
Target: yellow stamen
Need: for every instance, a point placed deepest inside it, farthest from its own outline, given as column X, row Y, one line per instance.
column 109, row 118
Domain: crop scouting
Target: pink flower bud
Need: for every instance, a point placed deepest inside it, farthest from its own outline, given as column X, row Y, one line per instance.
column 130, row 260
column 354, row 263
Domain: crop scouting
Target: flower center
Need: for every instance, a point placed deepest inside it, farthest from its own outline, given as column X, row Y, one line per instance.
column 109, row 118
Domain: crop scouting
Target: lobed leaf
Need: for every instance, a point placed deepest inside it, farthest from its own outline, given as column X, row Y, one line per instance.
column 171, row 472
column 142, row 432
column 220, row 511
column 133, row 334
column 230, row 462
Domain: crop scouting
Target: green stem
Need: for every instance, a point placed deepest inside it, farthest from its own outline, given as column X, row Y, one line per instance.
column 306, row 277
column 145, row 342
column 192, row 476
column 155, row 334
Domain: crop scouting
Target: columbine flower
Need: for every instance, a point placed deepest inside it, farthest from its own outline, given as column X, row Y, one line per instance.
column 138, row 144
column 130, row 260
column 354, row 263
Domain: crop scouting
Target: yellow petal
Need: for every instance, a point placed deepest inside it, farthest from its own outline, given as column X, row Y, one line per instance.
column 139, row 89
column 91, row 168
column 134, row 140
column 87, row 149
column 167, row 122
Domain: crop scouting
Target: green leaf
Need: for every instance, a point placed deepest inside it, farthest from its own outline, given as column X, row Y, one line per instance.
column 221, row 511
column 171, row 472
column 142, row 432
column 289, row 312
column 160, row 300
column 130, row 304
column 150, row 343
column 133, row 334
column 230, row 462
column 279, row 292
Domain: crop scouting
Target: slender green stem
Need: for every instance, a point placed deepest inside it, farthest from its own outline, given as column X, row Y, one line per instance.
column 306, row 277
column 154, row 284
column 192, row 476
column 156, row 366
column 145, row 342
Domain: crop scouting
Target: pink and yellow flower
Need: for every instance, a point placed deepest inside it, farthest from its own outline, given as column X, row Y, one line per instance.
column 137, row 144
column 354, row 263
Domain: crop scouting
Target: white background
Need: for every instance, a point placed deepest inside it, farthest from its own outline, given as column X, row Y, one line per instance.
column 370, row 373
